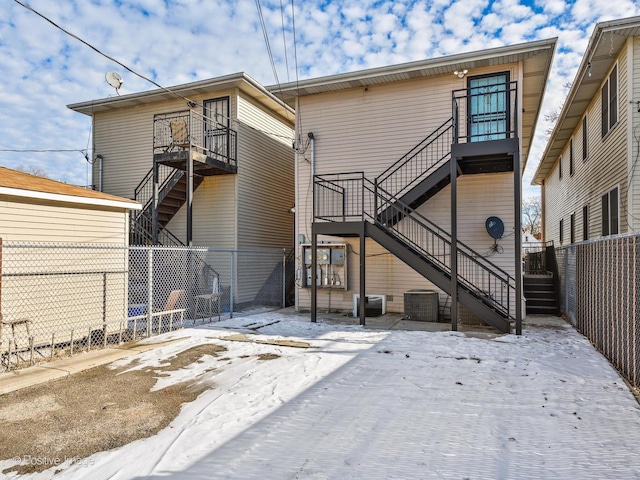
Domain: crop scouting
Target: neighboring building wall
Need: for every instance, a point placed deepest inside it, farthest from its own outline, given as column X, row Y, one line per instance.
column 634, row 134
column 30, row 220
column 54, row 286
column 604, row 168
column 370, row 129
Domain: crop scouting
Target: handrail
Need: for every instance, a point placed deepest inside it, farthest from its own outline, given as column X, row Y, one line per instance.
column 351, row 196
column 476, row 272
column 186, row 129
column 418, row 163
column 144, row 191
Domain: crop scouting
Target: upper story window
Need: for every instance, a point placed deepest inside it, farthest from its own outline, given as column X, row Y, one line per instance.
column 585, row 222
column 561, row 227
column 584, row 139
column 560, row 168
column 610, row 213
column 572, row 228
column 571, row 158
column 610, row 101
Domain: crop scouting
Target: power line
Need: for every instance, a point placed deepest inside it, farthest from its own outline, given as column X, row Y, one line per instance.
column 284, row 40
column 266, row 41
column 298, row 149
column 17, row 150
column 97, row 50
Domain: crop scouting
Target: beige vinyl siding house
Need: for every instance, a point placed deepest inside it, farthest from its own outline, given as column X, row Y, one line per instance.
column 63, row 247
column 597, row 196
column 363, row 122
column 239, row 143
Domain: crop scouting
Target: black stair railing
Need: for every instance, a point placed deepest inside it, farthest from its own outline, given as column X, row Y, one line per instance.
column 141, row 228
column 168, row 177
column 205, row 135
column 419, row 162
column 485, row 112
column 352, row 197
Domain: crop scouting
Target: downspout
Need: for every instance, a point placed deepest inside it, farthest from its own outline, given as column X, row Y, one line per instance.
column 100, row 157
column 313, row 155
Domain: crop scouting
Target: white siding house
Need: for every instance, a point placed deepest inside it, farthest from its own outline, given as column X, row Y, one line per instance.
column 239, row 145
column 588, row 173
column 61, row 248
column 376, row 149
column 221, row 150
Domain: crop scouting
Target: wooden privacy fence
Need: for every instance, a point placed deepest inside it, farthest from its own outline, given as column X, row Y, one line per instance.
column 600, row 295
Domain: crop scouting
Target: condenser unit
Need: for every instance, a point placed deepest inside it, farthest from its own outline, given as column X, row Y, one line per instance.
column 421, row 305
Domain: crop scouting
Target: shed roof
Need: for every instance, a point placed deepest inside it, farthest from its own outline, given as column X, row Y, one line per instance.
column 20, row 184
column 605, row 44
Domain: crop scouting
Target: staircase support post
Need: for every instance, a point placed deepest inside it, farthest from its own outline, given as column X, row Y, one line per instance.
column 363, row 296
column 190, row 199
column 517, row 200
column 314, row 280
column 154, row 208
column 454, row 243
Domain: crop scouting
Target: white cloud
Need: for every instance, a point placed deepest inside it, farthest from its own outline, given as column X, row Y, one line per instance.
column 186, row 40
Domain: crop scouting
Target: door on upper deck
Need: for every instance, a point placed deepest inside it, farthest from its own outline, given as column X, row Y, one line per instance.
column 216, row 128
column 488, row 107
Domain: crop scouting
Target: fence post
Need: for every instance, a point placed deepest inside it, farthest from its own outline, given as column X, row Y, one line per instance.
column 149, row 290
column 233, row 254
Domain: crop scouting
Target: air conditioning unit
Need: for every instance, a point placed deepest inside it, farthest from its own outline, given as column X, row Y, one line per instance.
column 421, row 305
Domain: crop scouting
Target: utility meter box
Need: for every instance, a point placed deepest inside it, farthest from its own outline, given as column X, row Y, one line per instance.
column 331, row 266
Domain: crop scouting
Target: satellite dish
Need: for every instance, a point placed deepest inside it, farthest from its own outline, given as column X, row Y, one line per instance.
column 495, row 227
column 114, row 80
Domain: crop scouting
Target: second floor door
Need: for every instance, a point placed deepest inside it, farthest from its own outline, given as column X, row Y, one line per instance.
column 216, row 127
column 488, row 117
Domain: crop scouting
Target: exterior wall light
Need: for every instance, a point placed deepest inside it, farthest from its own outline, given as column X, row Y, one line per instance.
column 461, row 73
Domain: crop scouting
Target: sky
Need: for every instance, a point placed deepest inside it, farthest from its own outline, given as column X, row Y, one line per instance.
column 179, row 41
column 352, row 403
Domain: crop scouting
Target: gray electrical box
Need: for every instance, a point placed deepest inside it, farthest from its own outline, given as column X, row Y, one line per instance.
column 331, row 265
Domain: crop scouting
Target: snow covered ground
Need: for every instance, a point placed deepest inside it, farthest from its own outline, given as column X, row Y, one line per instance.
column 362, row 403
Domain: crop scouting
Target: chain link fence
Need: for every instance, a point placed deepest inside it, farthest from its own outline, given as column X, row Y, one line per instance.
column 57, row 300
column 600, row 295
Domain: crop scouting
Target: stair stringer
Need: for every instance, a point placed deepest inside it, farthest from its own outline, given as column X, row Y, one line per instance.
column 437, row 276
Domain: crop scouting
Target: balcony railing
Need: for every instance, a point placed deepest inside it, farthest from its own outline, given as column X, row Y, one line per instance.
column 485, row 113
column 190, row 131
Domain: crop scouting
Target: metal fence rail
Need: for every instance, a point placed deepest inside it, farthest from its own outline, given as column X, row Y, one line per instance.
column 58, row 300
column 600, row 295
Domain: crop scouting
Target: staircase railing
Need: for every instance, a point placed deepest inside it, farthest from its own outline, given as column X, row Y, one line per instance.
column 141, row 228
column 419, row 162
column 167, row 178
column 352, row 197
